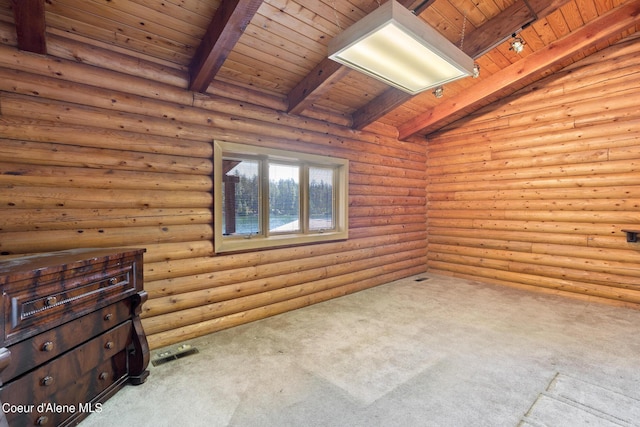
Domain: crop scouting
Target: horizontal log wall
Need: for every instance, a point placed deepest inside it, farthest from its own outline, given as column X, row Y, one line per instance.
column 115, row 154
column 535, row 190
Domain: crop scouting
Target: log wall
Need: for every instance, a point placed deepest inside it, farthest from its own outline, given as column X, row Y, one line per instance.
column 534, row 190
column 99, row 150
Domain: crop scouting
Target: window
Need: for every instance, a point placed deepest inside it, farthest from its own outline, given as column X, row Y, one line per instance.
column 266, row 197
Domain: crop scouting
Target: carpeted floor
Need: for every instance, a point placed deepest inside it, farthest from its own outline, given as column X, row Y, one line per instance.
column 423, row 351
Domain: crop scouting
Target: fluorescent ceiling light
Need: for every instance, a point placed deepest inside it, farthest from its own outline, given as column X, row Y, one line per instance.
column 393, row 45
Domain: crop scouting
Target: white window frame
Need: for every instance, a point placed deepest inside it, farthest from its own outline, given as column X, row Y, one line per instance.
column 224, row 243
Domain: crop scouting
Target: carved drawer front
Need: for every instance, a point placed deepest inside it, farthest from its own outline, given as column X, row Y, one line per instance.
column 61, row 373
column 43, row 347
column 54, row 301
column 68, row 403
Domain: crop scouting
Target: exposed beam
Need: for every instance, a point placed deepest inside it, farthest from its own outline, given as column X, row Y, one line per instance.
column 476, row 44
column 328, row 72
column 325, row 74
column 608, row 25
column 544, row 8
column 378, row 107
column 30, row 25
column 498, row 29
column 417, row 6
column 226, row 27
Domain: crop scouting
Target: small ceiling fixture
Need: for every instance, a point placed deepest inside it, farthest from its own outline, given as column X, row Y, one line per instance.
column 395, row 46
column 517, row 45
column 476, row 71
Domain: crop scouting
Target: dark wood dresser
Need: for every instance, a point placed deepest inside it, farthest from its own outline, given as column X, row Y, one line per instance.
column 70, row 333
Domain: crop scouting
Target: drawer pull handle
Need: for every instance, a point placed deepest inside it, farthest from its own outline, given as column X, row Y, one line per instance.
column 47, row 381
column 108, row 345
column 48, row 346
column 50, row 301
column 42, row 420
column 108, row 316
column 103, row 376
column 113, row 280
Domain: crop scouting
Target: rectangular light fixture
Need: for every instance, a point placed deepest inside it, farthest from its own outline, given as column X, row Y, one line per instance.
column 393, row 45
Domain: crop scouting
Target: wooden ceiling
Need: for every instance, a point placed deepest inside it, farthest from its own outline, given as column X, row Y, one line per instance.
column 276, row 49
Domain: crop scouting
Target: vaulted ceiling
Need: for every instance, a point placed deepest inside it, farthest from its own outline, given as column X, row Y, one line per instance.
column 276, row 50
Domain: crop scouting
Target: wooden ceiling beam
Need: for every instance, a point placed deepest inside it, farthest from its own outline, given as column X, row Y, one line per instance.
column 328, row 72
column 224, row 31
column 323, row 76
column 417, row 6
column 498, row 29
column 543, row 8
column 608, row 25
column 30, row 25
column 477, row 43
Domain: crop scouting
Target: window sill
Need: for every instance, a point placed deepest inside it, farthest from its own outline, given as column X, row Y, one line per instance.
column 235, row 244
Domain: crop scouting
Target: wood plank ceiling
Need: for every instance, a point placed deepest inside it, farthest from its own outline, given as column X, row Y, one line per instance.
column 276, row 49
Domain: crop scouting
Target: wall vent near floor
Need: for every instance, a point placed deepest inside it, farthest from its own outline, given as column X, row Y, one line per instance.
column 170, row 355
column 421, row 279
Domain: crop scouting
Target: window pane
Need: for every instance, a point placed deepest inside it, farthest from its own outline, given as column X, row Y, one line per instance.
column 284, row 198
column 321, row 197
column 240, row 197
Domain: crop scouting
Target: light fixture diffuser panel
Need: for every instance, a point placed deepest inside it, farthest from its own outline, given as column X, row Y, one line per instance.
column 395, row 46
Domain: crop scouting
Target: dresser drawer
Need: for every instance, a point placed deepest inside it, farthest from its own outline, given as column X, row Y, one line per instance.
column 60, row 373
column 33, row 352
column 69, row 404
column 30, row 310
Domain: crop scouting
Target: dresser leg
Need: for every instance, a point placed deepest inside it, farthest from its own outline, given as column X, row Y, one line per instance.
column 139, row 355
column 138, row 379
